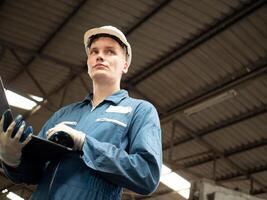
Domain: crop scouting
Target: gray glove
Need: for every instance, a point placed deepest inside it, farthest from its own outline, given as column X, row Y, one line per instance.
column 77, row 136
column 11, row 147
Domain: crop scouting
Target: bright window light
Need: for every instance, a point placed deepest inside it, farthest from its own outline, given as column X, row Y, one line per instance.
column 175, row 182
column 13, row 196
column 165, row 170
column 39, row 99
column 185, row 193
column 19, row 101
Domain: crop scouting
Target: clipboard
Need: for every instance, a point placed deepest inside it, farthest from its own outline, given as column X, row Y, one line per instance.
column 38, row 148
column 44, row 150
column 3, row 100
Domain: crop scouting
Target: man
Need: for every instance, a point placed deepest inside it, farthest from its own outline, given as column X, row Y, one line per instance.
column 119, row 136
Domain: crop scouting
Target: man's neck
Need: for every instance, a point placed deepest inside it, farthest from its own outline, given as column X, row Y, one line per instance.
column 101, row 92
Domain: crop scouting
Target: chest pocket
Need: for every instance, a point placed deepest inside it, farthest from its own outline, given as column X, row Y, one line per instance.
column 114, row 121
column 117, row 115
column 111, row 127
column 117, row 121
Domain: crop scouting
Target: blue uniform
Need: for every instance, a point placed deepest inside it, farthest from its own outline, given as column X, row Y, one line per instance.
column 122, row 148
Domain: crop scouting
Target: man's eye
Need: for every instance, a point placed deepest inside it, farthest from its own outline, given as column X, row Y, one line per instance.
column 93, row 51
column 110, row 51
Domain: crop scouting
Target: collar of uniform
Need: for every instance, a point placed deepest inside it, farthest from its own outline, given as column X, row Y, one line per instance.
column 88, row 98
column 115, row 97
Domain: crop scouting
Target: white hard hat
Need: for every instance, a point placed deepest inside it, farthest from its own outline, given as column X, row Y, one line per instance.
column 110, row 30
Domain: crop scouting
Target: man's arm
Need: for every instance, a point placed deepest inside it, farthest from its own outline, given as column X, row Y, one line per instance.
column 28, row 172
column 139, row 168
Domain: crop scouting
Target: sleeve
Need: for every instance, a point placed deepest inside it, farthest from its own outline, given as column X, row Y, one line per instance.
column 137, row 169
column 30, row 171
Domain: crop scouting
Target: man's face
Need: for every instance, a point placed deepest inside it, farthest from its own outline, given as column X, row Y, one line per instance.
column 106, row 60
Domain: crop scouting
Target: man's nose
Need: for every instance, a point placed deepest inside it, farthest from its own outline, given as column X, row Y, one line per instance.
column 99, row 57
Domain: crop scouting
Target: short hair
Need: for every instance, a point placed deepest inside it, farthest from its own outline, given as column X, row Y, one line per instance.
column 94, row 37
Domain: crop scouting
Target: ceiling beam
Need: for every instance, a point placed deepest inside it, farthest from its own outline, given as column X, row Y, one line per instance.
column 216, row 151
column 254, row 192
column 229, row 20
column 227, row 153
column 48, row 40
column 241, row 13
column 221, row 125
column 18, row 48
column 193, row 156
column 166, row 114
column 257, row 191
column 258, row 68
column 76, row 71
column 80, row 70
column 32, row 77
column 39, row 52
column 249, row 173
column 170, row 57
column 148, row 16
column 71, row 77
column 189, row 45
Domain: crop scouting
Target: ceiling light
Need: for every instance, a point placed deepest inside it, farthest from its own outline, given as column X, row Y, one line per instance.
column 19, row 101
column 175, row 182
column 4, row 191
column 210, row 102
column 13, row 196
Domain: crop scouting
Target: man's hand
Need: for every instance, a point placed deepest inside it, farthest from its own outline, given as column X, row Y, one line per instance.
column 10, row 148
column 77, row 136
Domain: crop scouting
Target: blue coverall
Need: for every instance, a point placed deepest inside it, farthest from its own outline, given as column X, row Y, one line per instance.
column 122, row 148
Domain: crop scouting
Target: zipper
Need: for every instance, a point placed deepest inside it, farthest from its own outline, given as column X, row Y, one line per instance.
column 52, row 180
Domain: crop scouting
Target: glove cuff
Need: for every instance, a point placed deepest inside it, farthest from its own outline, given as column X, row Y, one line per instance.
column 11, row 163
column 79, row 140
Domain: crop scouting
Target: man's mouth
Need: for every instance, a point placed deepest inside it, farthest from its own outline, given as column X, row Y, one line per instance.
column 100, row 66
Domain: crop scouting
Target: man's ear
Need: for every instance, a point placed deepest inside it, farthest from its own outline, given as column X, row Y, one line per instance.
column 125, row 68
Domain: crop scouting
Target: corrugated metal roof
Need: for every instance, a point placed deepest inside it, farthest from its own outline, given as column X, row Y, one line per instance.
column 184, row 53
